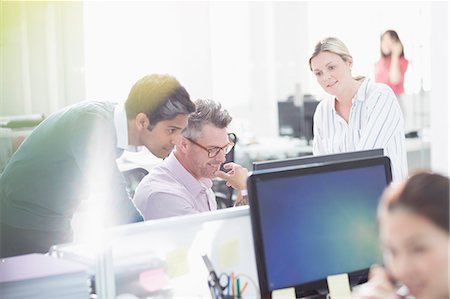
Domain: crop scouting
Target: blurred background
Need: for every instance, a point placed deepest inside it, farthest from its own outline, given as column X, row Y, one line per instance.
column 249, row 55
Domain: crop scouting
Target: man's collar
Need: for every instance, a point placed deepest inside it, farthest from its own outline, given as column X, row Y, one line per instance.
column 194, row 185
column 121, row 124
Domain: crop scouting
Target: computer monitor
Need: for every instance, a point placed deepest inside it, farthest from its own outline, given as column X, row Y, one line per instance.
column 305, row 160
column 312, row 222
column 289, row 119
column 297, row 121
column 309, row 108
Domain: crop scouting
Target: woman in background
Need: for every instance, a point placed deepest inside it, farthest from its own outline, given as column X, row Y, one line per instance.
column 360, row 114
column 414, row 232
column 391, row 67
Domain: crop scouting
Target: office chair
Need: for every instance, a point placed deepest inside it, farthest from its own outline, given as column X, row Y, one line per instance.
column 224, row 194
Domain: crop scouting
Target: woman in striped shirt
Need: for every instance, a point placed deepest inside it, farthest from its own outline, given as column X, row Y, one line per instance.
column 360, row 114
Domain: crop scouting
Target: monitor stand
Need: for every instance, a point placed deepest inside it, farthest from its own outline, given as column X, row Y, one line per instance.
column 313, row 295
column 316, row 296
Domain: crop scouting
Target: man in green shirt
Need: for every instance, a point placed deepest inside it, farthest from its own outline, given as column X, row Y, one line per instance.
column 72, row 155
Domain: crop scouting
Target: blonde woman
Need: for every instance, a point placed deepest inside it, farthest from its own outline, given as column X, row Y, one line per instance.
column 359, row 114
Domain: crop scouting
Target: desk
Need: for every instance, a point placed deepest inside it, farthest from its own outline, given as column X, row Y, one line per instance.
column 10, row 140
column 418, row 153
column 175, row 243
column 270, row 149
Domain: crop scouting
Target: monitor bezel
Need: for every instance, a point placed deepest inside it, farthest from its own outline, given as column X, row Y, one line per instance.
column 313, row 287
column 315, row 159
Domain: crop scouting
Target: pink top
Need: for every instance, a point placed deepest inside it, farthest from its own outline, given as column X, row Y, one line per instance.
column 382, row 74
column 170, row 190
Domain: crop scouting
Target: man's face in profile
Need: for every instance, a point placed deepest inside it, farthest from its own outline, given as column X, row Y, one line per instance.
column 162, row 138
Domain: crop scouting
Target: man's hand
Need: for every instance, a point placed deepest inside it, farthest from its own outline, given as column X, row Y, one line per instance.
column 236, row 177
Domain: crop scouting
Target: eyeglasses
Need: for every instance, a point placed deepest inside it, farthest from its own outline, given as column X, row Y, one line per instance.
column 214, row 151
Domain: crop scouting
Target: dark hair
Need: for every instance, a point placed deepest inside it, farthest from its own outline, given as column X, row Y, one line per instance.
column 207, row 112
column 393, row 35
column 160, row 97
column 425, row 194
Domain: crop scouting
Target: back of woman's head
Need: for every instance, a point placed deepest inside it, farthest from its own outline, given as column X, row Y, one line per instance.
column 425, row 194
column 332, row 45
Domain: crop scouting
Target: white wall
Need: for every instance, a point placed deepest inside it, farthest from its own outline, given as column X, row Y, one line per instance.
column 42, row 57
column 360, row 23
column 246, row 54
column 440, row 112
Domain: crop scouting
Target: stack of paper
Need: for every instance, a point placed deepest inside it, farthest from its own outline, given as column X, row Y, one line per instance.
column 41, row 276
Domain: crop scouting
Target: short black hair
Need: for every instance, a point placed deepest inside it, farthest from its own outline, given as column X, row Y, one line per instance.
column 160, row 97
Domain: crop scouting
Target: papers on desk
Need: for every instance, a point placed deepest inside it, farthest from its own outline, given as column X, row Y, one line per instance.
column 41, row 276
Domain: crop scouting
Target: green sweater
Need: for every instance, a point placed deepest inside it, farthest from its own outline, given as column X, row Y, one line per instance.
column 69, row 157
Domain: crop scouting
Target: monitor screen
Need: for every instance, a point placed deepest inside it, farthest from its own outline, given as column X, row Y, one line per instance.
column 297, row 121
column 312, row 222
column 289, row 119
column 261, row 165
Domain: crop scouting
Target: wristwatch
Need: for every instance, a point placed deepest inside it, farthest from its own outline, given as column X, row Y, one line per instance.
column 244, row 200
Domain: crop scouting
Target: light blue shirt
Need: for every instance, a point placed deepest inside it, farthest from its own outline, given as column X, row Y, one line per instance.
column 170, row 190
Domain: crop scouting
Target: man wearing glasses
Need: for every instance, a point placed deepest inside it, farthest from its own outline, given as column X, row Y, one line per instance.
column 181, row 185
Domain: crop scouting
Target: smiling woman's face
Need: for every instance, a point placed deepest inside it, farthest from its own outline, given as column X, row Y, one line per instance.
column 332, row 72
column 416, row 253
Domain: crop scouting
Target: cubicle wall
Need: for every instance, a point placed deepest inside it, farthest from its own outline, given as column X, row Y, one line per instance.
column 162, row 258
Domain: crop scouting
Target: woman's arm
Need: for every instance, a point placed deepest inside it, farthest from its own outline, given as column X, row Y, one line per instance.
column 379, row 286
column 395, row 73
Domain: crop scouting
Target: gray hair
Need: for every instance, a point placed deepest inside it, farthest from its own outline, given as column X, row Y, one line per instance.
column 206, row 112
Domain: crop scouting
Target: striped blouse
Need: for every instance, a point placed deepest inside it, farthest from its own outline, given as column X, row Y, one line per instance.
column 375, row 121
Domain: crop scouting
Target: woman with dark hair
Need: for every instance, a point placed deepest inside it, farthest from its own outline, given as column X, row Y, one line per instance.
column 414, row 233
column 391, row 67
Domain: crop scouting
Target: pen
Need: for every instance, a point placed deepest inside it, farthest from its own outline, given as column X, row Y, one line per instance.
column 244, row 287
column 238, row 286
column 228, row 286
column 232, row 284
